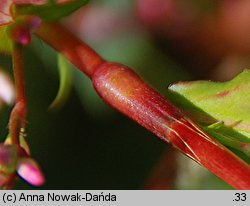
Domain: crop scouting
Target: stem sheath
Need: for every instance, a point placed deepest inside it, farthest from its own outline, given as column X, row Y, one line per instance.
column 124, row 90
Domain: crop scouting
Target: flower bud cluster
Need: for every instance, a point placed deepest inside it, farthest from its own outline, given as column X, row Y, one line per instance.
column 15, row 160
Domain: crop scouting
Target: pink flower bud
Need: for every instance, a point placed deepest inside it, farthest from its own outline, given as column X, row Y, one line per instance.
column 29, row 170
column 21, row 35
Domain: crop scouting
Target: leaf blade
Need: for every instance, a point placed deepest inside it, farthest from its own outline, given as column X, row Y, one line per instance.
column 210, row 102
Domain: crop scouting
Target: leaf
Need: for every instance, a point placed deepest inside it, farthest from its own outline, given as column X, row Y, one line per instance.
column 224, row 103
column 46, row 9
column 5, row 8
column 49, row 10
column 53, row 11
column 6, row 44
column 65, row 72
column 229, row 137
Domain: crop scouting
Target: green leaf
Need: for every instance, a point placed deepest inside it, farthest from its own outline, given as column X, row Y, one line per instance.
column 66, row 76
column 221, row 108
column 6, row 44
column 52, row 11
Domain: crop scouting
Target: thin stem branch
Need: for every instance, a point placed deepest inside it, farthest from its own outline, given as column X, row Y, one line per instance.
column 124, row 90
column 19, row 73
column 18, row 114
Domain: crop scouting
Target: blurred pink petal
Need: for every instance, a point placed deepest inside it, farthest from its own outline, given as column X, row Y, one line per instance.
column 7, row 90
column 155, row 13
column 29, row 170
column 98, row 23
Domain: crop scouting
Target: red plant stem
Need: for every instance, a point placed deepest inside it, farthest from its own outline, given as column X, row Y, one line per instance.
column 82, row 56
column 18, row 114
column 124, row 90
